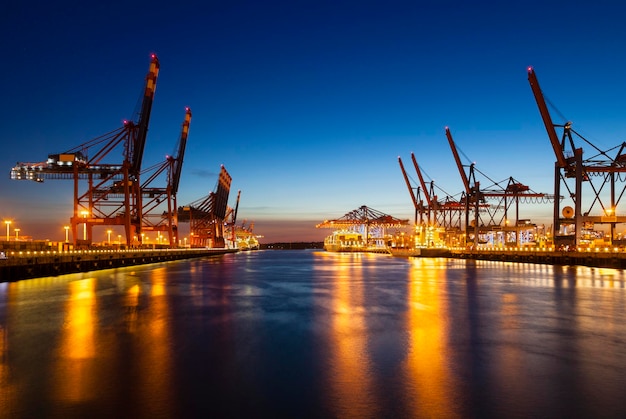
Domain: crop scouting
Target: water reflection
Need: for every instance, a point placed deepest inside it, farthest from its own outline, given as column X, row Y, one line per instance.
column 7, row 389
column 75, row 370
column 154, row 385
column 431, row 391
column 351, row 387
column 299, row 334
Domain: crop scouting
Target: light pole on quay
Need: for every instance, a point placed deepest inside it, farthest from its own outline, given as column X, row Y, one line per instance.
column 84, row 213
column 8, row 223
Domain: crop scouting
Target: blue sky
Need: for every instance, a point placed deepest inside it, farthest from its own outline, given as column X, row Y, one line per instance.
column 307, row 104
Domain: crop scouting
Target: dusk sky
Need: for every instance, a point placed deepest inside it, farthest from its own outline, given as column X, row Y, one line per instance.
column 308, row 104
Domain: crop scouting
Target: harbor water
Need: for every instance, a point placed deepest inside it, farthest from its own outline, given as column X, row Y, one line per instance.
column 308, row 333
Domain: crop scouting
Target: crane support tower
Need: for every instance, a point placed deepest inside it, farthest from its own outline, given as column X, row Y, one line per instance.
column 593, row 186
column 113, row 195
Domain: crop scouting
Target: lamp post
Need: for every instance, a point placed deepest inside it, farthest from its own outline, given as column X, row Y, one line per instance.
column 84, row 213
column 17, row 233
column 67, row 233
column 109, row 237
column 8, row 223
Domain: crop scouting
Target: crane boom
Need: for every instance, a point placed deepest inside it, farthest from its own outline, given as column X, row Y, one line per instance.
column 459, row 165
column 178, row 163
column 408, row 184
column 144, row 117
column 236, row 207
column 421, row 178
column 547, row 120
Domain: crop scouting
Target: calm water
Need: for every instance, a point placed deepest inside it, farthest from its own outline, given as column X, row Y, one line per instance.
column 314, row 334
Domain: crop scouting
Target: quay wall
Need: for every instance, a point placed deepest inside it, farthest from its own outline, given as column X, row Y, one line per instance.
column 600, row 259
column 25, row 265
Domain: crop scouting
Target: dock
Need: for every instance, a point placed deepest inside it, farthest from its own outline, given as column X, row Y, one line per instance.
column 601, row 258
column 36, row 264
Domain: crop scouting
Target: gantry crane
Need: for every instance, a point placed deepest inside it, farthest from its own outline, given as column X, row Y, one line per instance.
column 372, row 222
column 604, row 169
column 486, row 217
column 445, row 214
column 206, row 216
column 154, row 199
column 231, row 219
column 113, row 195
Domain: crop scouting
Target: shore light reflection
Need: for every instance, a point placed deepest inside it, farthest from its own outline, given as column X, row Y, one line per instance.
column 352, row 389
column 76, row 366
column 155, row 345
column 431, row 391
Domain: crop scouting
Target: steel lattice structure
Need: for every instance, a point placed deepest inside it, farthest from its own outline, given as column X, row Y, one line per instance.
column 367, row 219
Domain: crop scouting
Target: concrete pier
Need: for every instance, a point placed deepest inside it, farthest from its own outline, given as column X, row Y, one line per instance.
column 35, row 264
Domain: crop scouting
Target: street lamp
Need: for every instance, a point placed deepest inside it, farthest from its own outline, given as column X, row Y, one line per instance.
column 109, row 236
column 8, row 223
column 84, row 213
column 17, row 233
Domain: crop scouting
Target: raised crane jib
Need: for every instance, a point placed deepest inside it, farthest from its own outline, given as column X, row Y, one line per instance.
column 408, row 183
column 422, row 183
column 182, row 144
column 547, row 119
column 236, row 207
column 144, row 117
column 459, row 165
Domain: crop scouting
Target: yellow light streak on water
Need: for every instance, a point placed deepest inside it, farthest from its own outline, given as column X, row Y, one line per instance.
column 154, row 344
column 430, row 388
column 350, row 372
column 75, row 368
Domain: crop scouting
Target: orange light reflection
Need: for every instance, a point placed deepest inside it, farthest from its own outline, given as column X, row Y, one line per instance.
column 351, row 375
column 430, row 382
column 77, row 347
